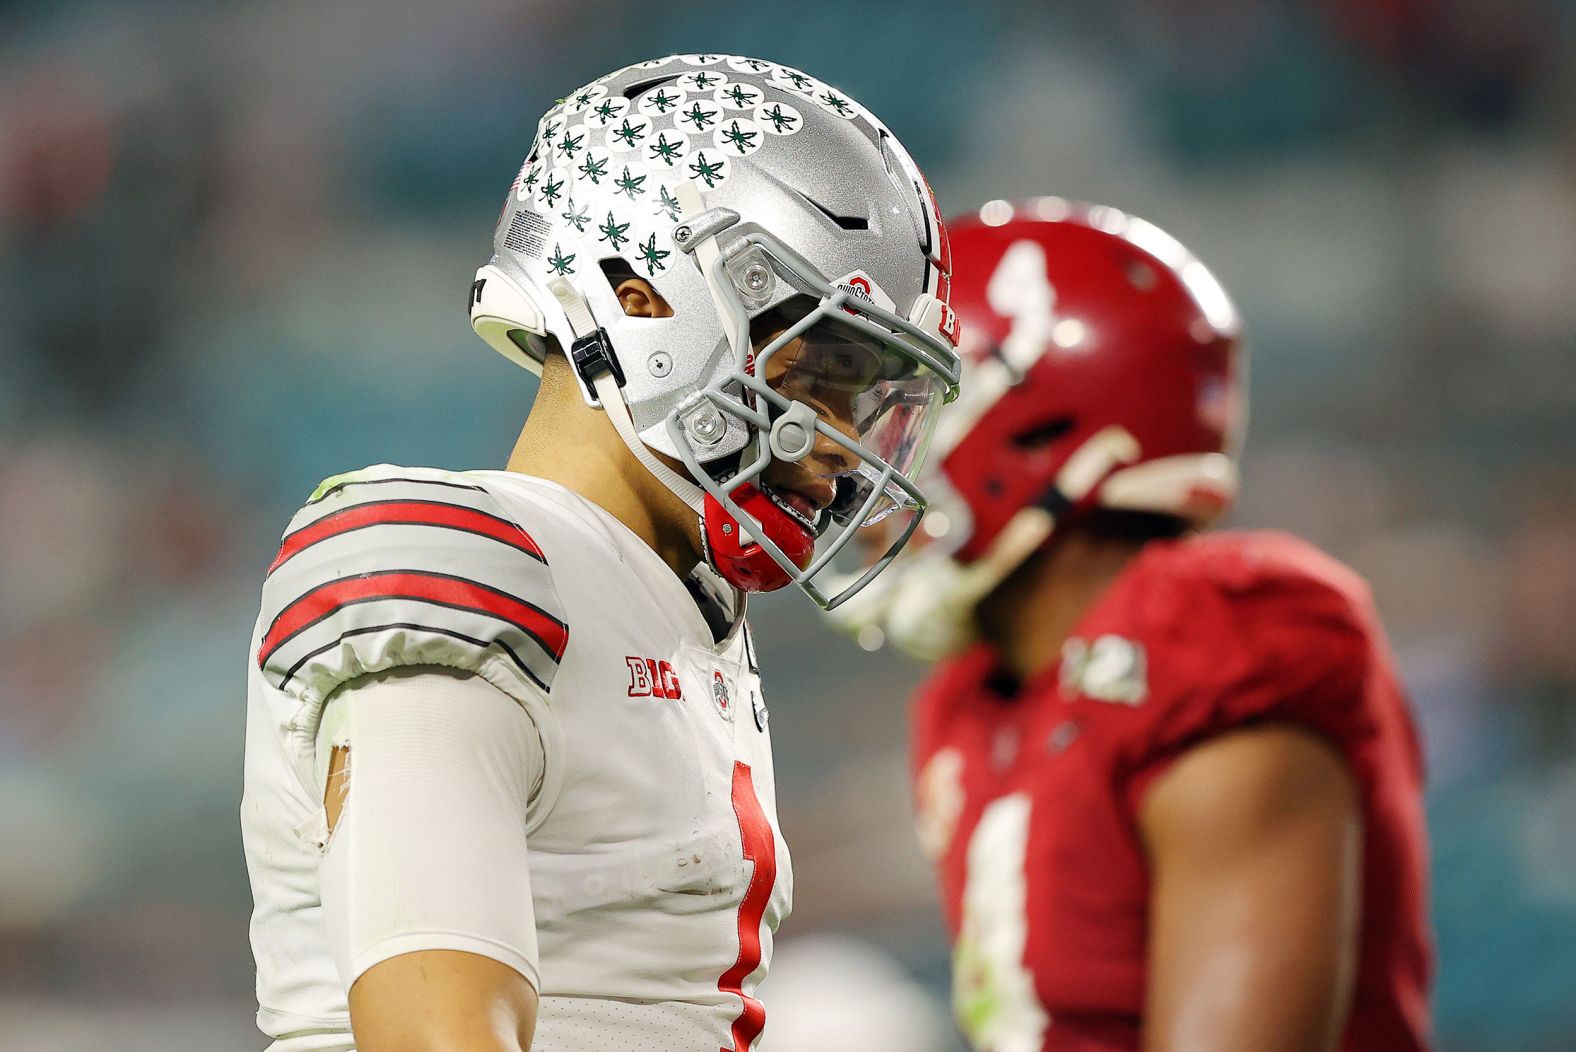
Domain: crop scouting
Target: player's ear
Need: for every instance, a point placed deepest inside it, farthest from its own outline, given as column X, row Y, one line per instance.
column 640, row 300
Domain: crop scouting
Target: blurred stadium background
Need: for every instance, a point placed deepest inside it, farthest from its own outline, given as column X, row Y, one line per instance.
column 234, row 241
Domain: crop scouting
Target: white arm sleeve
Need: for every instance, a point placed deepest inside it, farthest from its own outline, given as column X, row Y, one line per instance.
column 429, row 852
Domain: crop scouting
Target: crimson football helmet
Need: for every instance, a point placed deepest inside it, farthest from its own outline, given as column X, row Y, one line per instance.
column 1102, row 369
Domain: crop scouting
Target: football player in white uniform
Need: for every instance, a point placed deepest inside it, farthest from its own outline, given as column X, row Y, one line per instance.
column 507, row 762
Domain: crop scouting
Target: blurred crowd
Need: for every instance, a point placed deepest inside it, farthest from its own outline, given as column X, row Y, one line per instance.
column 234, row 238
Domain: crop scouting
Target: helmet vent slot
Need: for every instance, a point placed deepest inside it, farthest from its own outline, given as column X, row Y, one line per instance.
column 843, row 222
column 634, row 91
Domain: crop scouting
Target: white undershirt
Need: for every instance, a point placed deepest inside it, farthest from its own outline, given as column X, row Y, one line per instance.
column 430, row 849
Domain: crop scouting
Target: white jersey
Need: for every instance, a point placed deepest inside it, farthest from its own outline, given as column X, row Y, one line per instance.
column 657, row 871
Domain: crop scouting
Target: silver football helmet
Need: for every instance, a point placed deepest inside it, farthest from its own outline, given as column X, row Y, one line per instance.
column 808, row 273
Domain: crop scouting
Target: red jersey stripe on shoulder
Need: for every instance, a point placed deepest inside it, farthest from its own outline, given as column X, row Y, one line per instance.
column 407, row 513
column 456, row 592
column 760, row 847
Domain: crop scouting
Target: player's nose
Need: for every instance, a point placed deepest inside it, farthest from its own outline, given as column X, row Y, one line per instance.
column 828, row 456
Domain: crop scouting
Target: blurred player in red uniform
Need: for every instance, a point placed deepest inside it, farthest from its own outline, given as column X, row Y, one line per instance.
column 1169, row 779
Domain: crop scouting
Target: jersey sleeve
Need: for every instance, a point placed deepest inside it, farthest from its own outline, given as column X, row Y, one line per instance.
column 1288, row 649
column 391, row 567
column 457, row 845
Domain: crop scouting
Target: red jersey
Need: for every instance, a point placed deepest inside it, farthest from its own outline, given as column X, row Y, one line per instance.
column 1028, row 794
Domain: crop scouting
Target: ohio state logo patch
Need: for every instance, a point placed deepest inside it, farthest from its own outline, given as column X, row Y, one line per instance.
column 720, row 696
column 862, row 288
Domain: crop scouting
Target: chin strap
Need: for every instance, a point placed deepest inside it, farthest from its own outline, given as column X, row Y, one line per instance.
column 606, row 384
column 613, row 405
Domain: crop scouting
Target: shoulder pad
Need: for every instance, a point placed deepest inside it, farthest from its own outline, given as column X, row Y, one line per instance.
column 407, row 566
column 1230, row 632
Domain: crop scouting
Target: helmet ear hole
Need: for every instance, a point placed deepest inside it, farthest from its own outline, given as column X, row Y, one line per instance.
column 618, row 273
column 1042, row 434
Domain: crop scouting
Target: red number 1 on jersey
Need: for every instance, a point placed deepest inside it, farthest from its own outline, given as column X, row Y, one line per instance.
column 755, row 830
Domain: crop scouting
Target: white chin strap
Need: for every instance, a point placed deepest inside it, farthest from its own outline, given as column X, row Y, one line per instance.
column 607, row 393
column 581, row 323
column 928, row 611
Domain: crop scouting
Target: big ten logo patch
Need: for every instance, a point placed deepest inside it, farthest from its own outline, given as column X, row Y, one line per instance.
column 650, row 678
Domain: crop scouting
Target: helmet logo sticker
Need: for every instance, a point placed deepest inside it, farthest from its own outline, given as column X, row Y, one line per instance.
column 795, row 81
column 779, row 118
column 832, row 102
column 668, row 148
column 701, row 81
column 628, row 133
column 631, row 181
column 739, row 137
column 652, row 258
column 739, row 96
column 702, row 60
column 740, row 64
column 560, row 264
column 660, row 101
column 530, row 176
column 606, row 111
column 709, row 167
column 577, row 217
column 552, row 187
column 594, row 168
column 1020, row 289
column 698, row 117
column 667, row 204
column 584, row 99
column 614, row 232
column 572, row 141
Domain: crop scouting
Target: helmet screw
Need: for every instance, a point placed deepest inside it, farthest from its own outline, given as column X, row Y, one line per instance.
column 681, row 235
column 660, row 364
column 727, row 528
column 707, row 425
column 755, row 277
